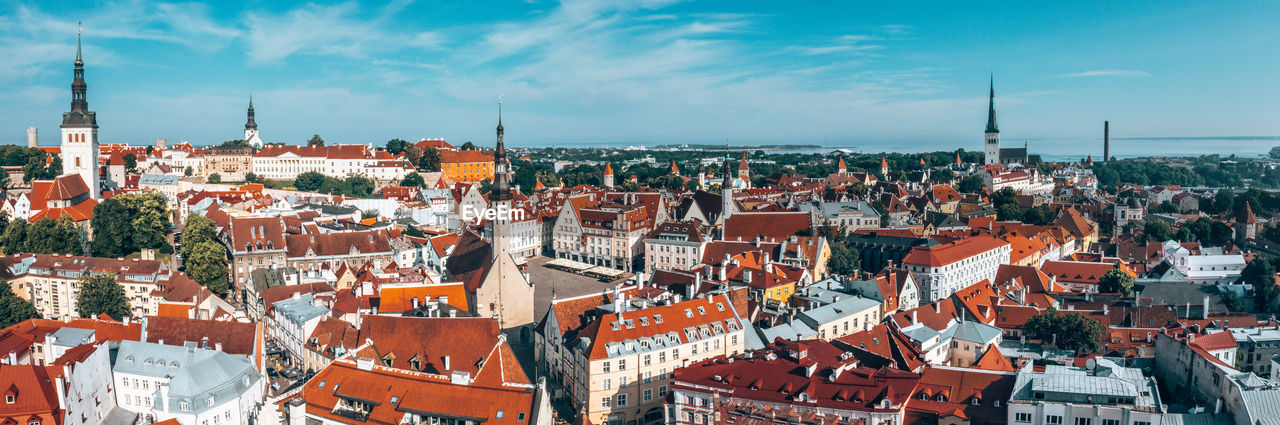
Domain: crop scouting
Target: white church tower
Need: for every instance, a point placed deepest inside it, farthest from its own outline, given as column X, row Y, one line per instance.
column 993, row 133
column 80, row 134
column 251, row 128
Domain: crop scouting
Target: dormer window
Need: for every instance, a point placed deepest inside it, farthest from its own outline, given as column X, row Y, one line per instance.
column 9, row 399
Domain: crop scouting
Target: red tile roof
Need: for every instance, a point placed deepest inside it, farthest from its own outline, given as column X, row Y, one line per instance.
column 993, row 359
column 959, row 387
column 399, row 299
column 35, row 397
column 944, row 254
column 234, row 337
column 778, row 374
column 674, row 318
column 1079, row 271
column 392, row 393
column 472, row 345
column 772, row 226
column 886, row 342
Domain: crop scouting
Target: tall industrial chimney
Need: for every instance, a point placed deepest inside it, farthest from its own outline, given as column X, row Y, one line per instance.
column 1106, row 141
column 33, row 137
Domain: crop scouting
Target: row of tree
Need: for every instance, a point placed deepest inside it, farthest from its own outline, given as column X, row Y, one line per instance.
column 354, row 186
column 127, row 223
column 45, row 236
column 204, row 258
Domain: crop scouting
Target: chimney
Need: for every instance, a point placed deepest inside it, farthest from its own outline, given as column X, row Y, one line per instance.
column 914, row 318
column 937, row 308
column 1205, row 314
column 164, row 397
column 1104, row 309
column 204, row 342
column 1188, row 310
column 446, row 363
column 217, row 346
column 697, row 286
column 1106, row 141
column 746, row 276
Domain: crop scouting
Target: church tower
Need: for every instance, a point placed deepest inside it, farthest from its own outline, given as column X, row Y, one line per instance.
column 993, row 132
column 80, row 133
column 744, row 171
column 251, row 128
column 608, row 175
column 505, row 293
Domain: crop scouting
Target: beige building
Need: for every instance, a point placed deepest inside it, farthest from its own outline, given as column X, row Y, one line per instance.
column 229, row 162
column 623, row 371
column 52, row 282
column 675, row 246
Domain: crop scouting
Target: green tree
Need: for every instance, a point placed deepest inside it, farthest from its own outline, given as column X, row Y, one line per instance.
column 1157, row 231
column 1008, row 212
column 207, row 265
column 971, row 184
column 112, row 229
column 49, row 236
column 1040, row 216
column 253, row 178
column 4, row 181
column 130, row 162
column 238, row 143
column 15, row 236
column 844, row 260
column 197, row 230
column 396, row 146
column 101, row 294
column 368, row 214
column 359, row 186
column 188, row 171
column 1261, row 276
column 150, row 219
column 629, row 186
column 669, row 182
column 413, row 179
column 692, row 186
column 14, row 309
column 469, row 146
column 309, row 181
column 315, row 140
column 215, row 178
column 1116, row 281
column 1070, row 331
column 429, row 159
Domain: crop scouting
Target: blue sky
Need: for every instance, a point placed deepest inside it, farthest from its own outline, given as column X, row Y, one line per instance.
column 652, row 71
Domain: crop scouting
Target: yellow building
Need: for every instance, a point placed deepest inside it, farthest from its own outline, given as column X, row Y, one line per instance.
column 467, row 166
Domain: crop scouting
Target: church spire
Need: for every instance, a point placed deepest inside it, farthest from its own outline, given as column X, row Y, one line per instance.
column 991, row 108
column 501, row 186
column 251, row 124
column 79, row 116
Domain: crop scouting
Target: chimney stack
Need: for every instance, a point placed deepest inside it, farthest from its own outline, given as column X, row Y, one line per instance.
column 1106, row 141
column 1205, row 314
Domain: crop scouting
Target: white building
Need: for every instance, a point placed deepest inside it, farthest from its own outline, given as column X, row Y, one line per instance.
column 87, row 396
column 941, row 270
column 1210, row 267
column 292, row 320
column 337, row 161
column 1102, row 394
column 194, row 385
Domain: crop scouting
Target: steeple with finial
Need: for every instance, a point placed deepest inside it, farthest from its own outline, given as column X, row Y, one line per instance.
column 501, row 184
column 992, row 151
column 79, row 116
column 251, row 124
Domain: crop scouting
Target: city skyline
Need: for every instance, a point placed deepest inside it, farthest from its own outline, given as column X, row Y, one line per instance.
column 648, row 72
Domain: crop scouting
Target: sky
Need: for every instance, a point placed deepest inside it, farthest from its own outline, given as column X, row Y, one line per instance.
column 837, row 73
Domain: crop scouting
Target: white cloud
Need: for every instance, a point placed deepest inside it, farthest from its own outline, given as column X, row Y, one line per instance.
column 1107, row 73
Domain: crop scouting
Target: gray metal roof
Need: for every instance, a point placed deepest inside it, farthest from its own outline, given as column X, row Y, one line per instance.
column 976, row 332
column 195, row 374
column 72, row 337
column 845, row 307
column 299, row 309
column 159, row 179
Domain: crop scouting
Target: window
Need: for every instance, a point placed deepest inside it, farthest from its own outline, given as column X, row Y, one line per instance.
column 622, row 364
column 646, row 359
column 622, row 400
column 662, row 393
column 622, row 381
column 1141, row 423
column 1110, row 422
column 648, row 395
column 608, row 384
column 1084, row 421
column 606, row 366
column 8, row 399
column 1022, row 417
column 1053, row 420
column 184, row 406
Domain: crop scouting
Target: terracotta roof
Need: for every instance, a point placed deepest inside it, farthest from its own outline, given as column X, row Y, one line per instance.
column 465, row 157
column 941, row 255
column 34, row 393
column 607, row 330
column 886, row 342
column 258, row 233
column 778, row 375
column 993, row 359
column 235, row 337
column 936, row 316
column 398, row 299
column 391, row 394
column 959, row 387
column 338, row 244
column 470, row 343
column 772, row 226
column 1078, row 271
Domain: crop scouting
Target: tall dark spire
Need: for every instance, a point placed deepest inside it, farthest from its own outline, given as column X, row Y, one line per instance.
column 80, row 115
column 501, row 190
column 251, row 124
column 991, row 108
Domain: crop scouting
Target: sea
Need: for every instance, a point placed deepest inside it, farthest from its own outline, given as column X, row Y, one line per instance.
column 1050, row 149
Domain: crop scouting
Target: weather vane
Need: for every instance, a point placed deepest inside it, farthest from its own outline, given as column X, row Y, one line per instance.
column 499, row 98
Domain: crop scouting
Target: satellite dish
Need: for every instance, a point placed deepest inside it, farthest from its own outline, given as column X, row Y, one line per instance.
column 1090, row 364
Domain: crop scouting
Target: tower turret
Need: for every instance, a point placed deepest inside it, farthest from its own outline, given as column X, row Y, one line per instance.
column 79, row 143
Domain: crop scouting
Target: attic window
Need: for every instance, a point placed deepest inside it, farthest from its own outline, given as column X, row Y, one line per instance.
column 394, row 399
column 720, row 306
column 702, row 311
column 657, row 318
column 688, row 313
column 9, row 399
